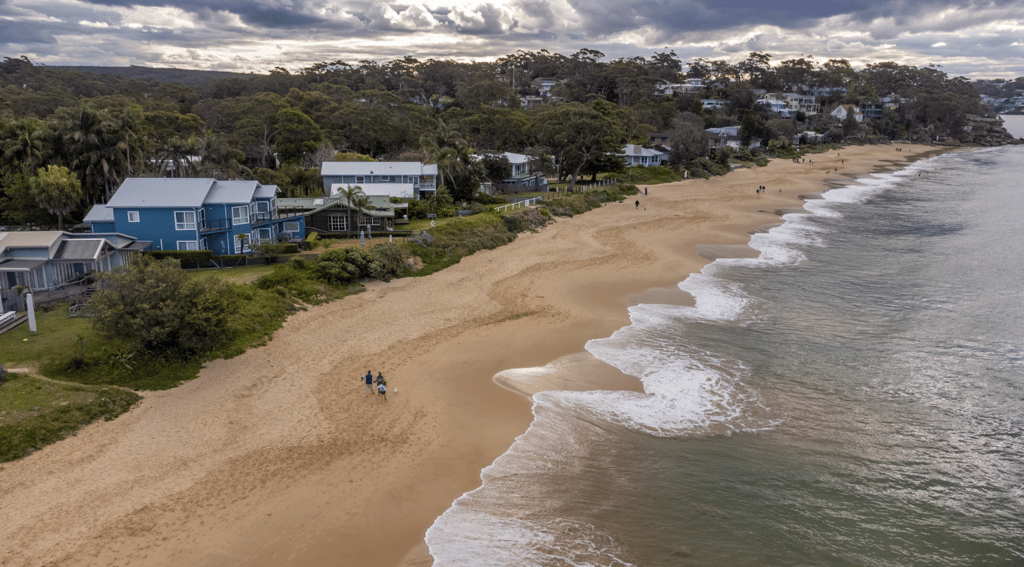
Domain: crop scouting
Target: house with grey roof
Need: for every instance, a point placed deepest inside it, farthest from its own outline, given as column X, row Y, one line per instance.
column 405, row 179
column 639, row 156
column 226, row 217
column 332, row 216
column 45, row 262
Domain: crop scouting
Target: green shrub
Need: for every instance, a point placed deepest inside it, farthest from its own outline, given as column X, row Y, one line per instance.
column 647, row 175
column 187, row 258
column 387, row 261
column 154, row 306
column 313, row 240
column 344, row 265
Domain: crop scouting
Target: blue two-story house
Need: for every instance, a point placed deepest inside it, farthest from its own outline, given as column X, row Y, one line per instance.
column 226, row 217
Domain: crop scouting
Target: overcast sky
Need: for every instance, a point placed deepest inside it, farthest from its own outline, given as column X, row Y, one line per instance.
column 975, row 39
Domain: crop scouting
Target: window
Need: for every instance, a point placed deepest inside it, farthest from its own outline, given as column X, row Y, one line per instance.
column 188, row 245
column 184, row 220
column 240, row 215
column 337, row 223
column 203, row 244
column 238, row 243
column 385, row 178
column 264, row 235
column 371, row 221
column 291, row 226
column 133, row 216
column 360, row 179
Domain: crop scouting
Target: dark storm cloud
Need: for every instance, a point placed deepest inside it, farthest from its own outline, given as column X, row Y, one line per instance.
column 276, row 18
column 606, row 18
column 16, row 34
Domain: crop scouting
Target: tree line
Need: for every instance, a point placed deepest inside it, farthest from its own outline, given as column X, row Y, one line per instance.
column 278, row 127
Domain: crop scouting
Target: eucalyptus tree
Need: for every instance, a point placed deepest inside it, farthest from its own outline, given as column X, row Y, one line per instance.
column 576, row 133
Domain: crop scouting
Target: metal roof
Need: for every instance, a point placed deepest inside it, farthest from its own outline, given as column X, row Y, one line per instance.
column 231, row 192
column 161, row 192
column 377, row 168
column 29, row 239
column 267, row 191
column 20, row 265
column 99, row 213
column 80, row 249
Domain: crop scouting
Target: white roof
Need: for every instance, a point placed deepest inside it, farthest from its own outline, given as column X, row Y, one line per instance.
column 636, row 150
column 377, row 168
column 380, row 189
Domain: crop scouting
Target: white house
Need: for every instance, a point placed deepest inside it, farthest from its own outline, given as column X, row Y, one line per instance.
column 777, row 107
column 712, row 103
column 639, row 156
column 688, row 86
column 405, row 179
column 808, row 104
column 843, row 109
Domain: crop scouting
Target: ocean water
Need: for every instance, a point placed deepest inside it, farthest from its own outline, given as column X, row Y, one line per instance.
column 1014, row 124
column 853, row 397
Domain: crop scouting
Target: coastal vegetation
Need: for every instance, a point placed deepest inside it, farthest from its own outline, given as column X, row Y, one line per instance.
column 153, row 326
column 69, row 138
column 566, row 112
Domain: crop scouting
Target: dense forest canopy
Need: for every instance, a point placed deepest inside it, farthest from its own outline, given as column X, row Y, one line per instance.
column 279, row 127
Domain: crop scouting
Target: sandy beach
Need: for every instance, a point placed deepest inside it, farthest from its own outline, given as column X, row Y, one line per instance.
column 277, row 457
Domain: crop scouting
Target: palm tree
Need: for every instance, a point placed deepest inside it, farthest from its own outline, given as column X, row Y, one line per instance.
column 23, row 151
column 218, row 159
column 93, row 147
column 177, row 158
column 353, row 195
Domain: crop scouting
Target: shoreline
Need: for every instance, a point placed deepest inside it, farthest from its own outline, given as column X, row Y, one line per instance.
column 276, row 456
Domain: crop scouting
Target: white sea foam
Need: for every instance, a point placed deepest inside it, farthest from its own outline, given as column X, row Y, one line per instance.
column 509, row 520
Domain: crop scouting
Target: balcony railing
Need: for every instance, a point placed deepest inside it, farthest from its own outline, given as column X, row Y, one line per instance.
column 213, row 225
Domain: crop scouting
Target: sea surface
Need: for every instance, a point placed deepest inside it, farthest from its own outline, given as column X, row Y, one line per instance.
column 852, row 397
column 1014, row 124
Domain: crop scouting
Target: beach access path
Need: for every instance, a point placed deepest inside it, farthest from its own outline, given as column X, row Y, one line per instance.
column 277, row 457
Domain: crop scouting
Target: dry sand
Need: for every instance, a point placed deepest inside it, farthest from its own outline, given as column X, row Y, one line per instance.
column 276, row 457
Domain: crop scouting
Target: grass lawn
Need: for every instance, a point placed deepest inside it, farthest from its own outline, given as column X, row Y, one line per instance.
column 239, row 274
column 35, row 412
column 58, row 335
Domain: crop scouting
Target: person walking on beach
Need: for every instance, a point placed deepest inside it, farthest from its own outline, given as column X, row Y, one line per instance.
column 645, row 190
column 369, row 382
column 638, row 203
column 382, row 389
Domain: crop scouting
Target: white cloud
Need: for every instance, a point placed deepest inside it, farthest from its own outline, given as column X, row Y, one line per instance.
column 413, row 18
column 489, row 18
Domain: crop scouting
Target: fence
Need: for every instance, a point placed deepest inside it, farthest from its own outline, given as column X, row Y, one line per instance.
column 518, row 204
